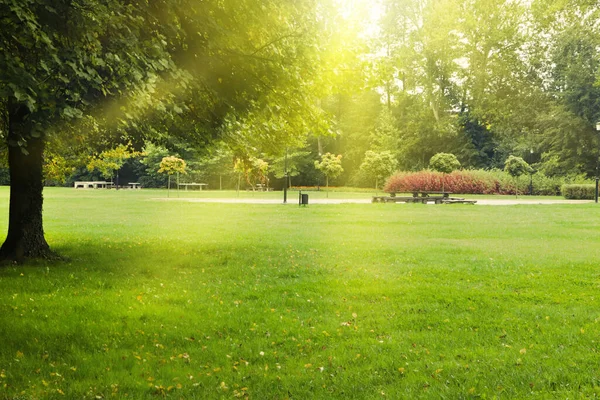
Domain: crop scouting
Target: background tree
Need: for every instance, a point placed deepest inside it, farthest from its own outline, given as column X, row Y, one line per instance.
column 330, row 165
column 515, row 167
column 218, row 163
column 444, row 163
column 293, row 163
column 254, row 170
column 379, row 165
column 149, row 165
column 56, row 169
column 172, row 165
column 110, row 161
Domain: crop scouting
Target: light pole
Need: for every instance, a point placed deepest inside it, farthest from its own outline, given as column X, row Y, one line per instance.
column 530, row 172
column 597, row 156
column 285, row 176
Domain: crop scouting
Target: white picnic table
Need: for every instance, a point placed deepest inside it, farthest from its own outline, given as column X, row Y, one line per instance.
column 92, row 185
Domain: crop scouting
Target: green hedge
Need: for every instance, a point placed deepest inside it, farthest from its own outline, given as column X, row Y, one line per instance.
column 578, row 192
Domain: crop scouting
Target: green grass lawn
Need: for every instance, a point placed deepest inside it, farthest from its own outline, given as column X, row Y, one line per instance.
column 354, row 301
column 332, row 193
column 278, row 194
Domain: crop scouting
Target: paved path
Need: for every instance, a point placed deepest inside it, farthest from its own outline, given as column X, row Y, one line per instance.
column 265, row 201
column 504, row 202
column 485, row 202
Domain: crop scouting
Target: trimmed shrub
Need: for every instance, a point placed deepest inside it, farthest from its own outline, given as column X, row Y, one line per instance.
column 471, row 182
column 516, row 166
column 579, row 192
column 444, row 162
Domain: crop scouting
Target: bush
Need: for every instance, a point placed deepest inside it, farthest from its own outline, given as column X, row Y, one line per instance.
column 516, row 166
column 444, row 162
column 471, row 182
column 579, row 192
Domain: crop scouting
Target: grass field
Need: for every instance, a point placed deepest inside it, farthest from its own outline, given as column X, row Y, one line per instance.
column 354, row 301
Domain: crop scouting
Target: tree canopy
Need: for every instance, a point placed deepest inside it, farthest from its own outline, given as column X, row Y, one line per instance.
column 157, row 70
column 330, row 165
column 444, row 162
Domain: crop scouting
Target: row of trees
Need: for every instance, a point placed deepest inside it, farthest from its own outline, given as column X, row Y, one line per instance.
column 79, row 77
column 482, row 79
column 153, row 171
column 153, row 165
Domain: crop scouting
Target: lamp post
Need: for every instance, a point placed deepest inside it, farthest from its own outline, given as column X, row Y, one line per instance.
column 530, row 173
column 285, row 176
column 597, row 156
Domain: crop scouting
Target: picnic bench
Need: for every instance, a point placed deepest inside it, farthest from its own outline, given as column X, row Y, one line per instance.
column 134, row 185
column 259, row 187
column 423, row 197
column 200, row 186
column 92, row 185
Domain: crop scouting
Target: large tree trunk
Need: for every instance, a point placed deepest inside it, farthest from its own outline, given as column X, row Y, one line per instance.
column 25, row 237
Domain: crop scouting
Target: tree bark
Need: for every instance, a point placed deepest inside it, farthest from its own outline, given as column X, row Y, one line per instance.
column 25, row 237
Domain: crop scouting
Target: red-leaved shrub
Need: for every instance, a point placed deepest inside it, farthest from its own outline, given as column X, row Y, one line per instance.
column 465, row 182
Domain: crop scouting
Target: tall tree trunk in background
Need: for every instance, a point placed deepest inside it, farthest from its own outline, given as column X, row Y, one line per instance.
column 25, row 237
column 319, row 145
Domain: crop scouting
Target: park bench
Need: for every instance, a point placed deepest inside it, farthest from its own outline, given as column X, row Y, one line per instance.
column 92, row 185
column 422, row 197
column 259, row 187
column 200, row 186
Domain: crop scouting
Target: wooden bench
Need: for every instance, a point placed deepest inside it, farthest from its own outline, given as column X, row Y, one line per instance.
column 454, row 200
column 423, row 197
column 431, row 194
column 259, row 187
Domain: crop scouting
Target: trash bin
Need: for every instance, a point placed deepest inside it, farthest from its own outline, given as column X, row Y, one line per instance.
column 303, row 199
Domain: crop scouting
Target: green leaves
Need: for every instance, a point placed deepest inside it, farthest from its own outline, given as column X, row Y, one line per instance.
column 111, row 160
column 171, row 165
column 71, row 112
column 330, row 165
column 516, row 166
column 379, row 165
column 444, row 162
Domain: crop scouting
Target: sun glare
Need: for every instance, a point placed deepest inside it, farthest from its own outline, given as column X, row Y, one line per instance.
column 368, row 12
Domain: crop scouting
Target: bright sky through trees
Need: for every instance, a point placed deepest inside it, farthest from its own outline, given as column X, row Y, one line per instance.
column 369, row 13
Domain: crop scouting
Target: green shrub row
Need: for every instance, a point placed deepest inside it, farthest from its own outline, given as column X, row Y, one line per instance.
column 579, row 192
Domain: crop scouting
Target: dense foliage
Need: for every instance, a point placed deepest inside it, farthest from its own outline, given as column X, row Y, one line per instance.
column 481, row 79
column 515, row 79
